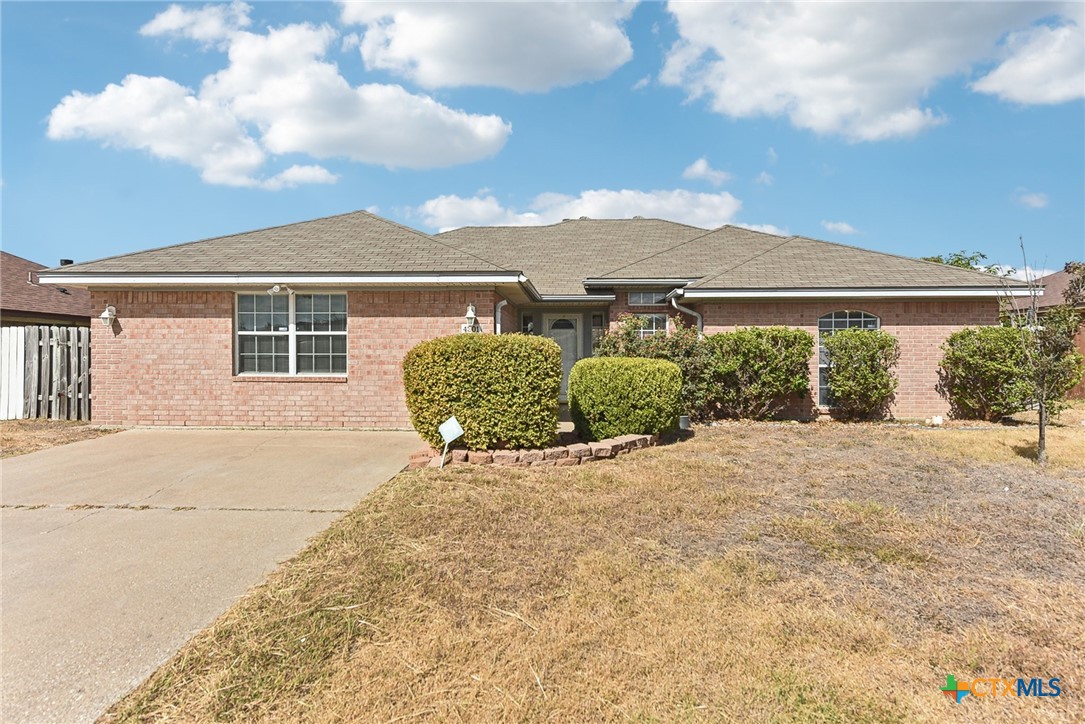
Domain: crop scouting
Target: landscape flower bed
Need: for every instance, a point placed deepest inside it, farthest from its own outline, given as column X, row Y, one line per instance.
column 571, row 453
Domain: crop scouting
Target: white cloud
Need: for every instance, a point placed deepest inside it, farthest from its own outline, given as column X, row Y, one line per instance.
column 1044, row 65
column 298, row 175
column 302, row 104
column 277, row 95
column 165, row 119
column 208, row 24
column 700, row 169
column 764, row 178
column 697, row 209
column 765, row 228
column 772, row 155
column 642, row 83
column 1030, row 199
column 1024, row 274
column 860, row 70
column 839, row 227
column 525, row 46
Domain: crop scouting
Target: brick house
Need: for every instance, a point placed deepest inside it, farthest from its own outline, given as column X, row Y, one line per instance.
column 307, row 324
column 1054, row 286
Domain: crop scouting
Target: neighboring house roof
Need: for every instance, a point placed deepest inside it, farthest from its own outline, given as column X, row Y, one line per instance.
column 1054, row 287
column 356, row 242
column 20, row 292
column 563, row 260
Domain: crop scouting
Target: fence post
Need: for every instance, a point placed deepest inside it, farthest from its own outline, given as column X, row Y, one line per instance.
column 32, row 359
column 84, row 373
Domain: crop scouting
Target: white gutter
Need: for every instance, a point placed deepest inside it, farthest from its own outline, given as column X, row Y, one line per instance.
column 577, row 297
column 687, row 310
column 603, row 282
column 933, row 293
column 234, row 280
column 497, row 314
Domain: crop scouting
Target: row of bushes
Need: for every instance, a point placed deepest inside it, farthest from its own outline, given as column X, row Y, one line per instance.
column 756, row 372
column 504, row 389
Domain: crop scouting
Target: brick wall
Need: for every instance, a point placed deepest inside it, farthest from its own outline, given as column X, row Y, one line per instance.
column 169, row 360
column 509, row 323
column 920, row 327
column 1078, row 392
column 621, row 306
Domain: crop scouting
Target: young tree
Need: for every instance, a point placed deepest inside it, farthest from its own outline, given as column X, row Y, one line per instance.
column 1052, row 364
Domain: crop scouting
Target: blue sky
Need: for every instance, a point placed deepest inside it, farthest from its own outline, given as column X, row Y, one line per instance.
column 910, row 128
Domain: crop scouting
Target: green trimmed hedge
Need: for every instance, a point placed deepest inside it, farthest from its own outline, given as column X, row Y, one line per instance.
column 760, row 369
column 503, row 389
column 861, row 379
column 611, row 396
column 984, row 373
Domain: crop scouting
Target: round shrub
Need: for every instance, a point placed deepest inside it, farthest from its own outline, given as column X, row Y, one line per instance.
column 503, row 389
column 684, row 346
column 611, row 396
column 861, row 379
column 760, row 369
column 983, row 373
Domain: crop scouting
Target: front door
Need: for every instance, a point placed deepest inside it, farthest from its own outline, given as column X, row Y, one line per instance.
column 564, row 329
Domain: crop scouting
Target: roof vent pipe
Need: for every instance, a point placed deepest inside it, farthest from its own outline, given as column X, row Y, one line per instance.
column 66, row 262
column 690, row 312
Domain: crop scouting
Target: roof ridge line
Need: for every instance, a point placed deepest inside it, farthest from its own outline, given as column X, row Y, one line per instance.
column 433, row 238
column 705, row 280
column 214, row 238
column 898, row 256
column 687, row 241
column 23, row 258
column 569, row 221
column 662, row 251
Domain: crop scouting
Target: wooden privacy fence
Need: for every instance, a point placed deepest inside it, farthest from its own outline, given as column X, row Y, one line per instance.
column 46, row 372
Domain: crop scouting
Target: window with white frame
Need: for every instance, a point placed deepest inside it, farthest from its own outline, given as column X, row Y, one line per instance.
column 291, row 334
column 647, row 299
column 827, row 326
column 654, row 324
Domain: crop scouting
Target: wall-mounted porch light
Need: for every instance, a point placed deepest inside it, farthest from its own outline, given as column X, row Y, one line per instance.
column 108, row 316
column 472, row 324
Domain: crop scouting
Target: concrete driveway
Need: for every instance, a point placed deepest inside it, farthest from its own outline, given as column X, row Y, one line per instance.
column 115, row 551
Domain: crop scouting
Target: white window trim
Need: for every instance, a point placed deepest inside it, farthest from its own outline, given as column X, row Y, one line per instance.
column 822, row 366
column 662, row 298
column 292, row 335
column 645, row 333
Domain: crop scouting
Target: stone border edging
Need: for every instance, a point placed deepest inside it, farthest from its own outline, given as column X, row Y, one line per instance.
column 559, row 456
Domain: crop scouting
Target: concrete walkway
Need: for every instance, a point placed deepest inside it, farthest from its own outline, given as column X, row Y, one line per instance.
column 115, row 551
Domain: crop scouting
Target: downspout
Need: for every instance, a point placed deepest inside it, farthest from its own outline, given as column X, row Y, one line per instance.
column 497, row 314
column 690, row 312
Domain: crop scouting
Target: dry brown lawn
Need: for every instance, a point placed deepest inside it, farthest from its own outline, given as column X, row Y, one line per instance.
column 1014, row 441
column 761, row 572
column 18, row 437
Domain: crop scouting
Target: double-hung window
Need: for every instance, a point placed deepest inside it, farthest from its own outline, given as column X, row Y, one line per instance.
column 291, row 334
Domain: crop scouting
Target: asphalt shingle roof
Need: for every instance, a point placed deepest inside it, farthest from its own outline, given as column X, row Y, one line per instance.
column 21, row 293
column 556, row 258
column 358, row 242
column 799, row 262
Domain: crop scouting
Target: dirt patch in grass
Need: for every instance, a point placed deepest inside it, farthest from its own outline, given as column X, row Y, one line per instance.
column 756, row 572
column 18, row 437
